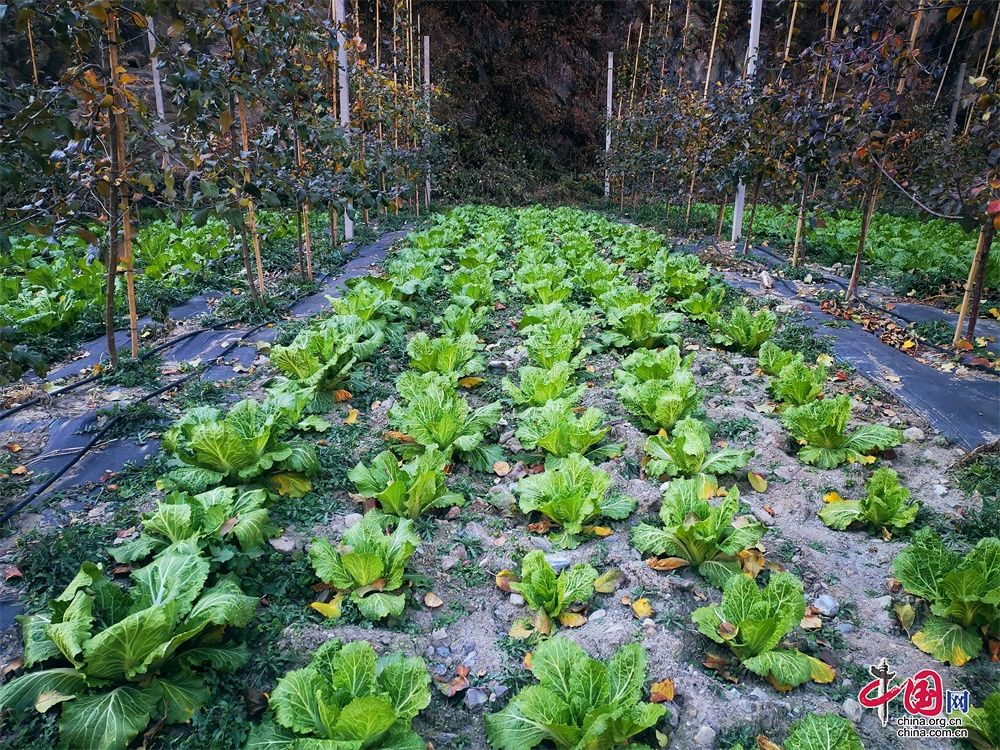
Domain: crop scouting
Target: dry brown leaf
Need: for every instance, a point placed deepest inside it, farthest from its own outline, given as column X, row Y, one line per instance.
column 12, row 573
column 542, row 622
column 228, row 526
column 352, row 417
column 642, row 608
column 810, row 622
column 572, row 620
column 501, row 468
column 504, row 578
column 714, row 662
column 13, row 665
column 661, row 691
column 13, row 447
column 752, row 561
column 470, row 382
column 777, row 685
column 893, row 584
column 905, row 615
column 666, row 563
column 542, row 527
column 394, row 435
column 432, row 600
column 763, row 743
column 341, row 395
column 519, row 630
column 460, row 683
column 19, row 470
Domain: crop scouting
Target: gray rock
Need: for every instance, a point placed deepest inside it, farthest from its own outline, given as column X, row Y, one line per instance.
column 705, row 736
column 352, row 518
column 286, row 545
column 499, row 365
column 474, row 698
column 732, row 694
column 440, row 670
column 913, row 433
column 442, row 651
column 599, row 614
column 673, row 713
column 746, row 707
column 827, row 605
column 680, row 583
column 786, row 471
column 470, row 660
column 881, row 602
column 758, row 694
column 540, row 542
column 517, row 600
column 500, row 691
column 558, row 562
column 852, row 710
column 940, row 490
column 844, row 628
column 477, row 532
column 449, row 561
column 441, row 634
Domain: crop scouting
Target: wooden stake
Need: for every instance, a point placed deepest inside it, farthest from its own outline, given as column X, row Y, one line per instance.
column 852, row 287
column 913, row 41
column 951, row 52
column 721, row 216
column 711, row 53
column 970, row 284
column 977, row 295
column 753, row 209
column 121, row 178
column 955, row 104
column 244, row 136
column 801, row 223
column 113, row 205
column 31, row 51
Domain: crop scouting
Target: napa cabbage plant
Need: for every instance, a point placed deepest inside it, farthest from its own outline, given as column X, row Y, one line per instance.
column 963, row 593
column 322, row 359
column 687, row 452
column 347, row 698
column 820, row 732
column 557, row 428
column 640, row 327
column 572, row 494
column 455, row 357
column 243, row 445
column 538, row 385
column 368, row 564
column 703, row 305
column 550, row 595
column 820, row 427
column 116, row 658
column 545, row 282
column 459, row 320
column 772, row 358
column 798, row 383
column 982, row 723
column 439, row 416
column 471, row 287
column 408, row 490
column 648, row 364
column 579, row 703
column 709, row 537
column 886, row 505
column 678, row 275
column 660, row 404
column 213, row 519
column 743, row 330
column 557, row 340
column 373, row 300
column 752, row 622
column 598, row 277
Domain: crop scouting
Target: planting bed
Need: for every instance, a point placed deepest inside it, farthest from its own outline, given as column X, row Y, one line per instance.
column 465, row 465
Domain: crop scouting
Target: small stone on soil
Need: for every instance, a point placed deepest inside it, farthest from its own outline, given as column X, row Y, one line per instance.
column 852, row 710
column 705, row 736
column 913, row 433
column 826, row 605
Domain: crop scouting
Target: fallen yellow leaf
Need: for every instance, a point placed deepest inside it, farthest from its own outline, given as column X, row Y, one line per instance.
column 13, row 447
column 470, row 382
column 757, row 481
column 352, row 417
column 572, row 620
column 908, row 344
column 824, row 359
column 661, row 691
column 810, row 622
column 832, row 497
column 590, row 368
column 504, row 578
column 642, row 608
column 519, row 630
column 329, row 609
column 609, row 581
column 501, row 468
column 19, row 470
column 666, row 563
column 342, row 395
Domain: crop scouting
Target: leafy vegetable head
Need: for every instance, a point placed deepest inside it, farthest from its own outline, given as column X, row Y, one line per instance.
column 545, row 282
column 983, row 723
column 580, row 702
column 445, row 355
column 798, row 384
column 459, row 320
column 772, row 358
column 679, row 275
column 473, row 288
column 539, row 385
column 237, row 448
column 686, row 453
column 820, row 427
column 556, row 337
column 639, row 326
column 551, row 595
column 572, row 494
column 556, row 428
column 649, row 364
column 347, row 698
column 823, row 732
column 660, row 404
column 963, row 593
column 708, row 536
column 409, row 490
column 119, row 657
column 744, row 330
column 703, row 305
column 238, row 513
column 368, row 563
column 752, row 622
column 885, row 505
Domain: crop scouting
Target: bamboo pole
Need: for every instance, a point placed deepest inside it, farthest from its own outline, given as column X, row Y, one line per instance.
column 970, row 284
column 833, row 36
column 913, row 40
column 711, row 53
column 801, row 223
column 753, row 209
column 31, row 51
column 852, row 287
column 427, row 114
column 951, row 52
column 955, row 104
column 113, row 204
column 970, row 334
column 986, row 61
column 635, row 69
column 254, row 236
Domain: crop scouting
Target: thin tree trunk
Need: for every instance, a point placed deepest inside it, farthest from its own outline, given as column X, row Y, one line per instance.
column 969, row 286
column 244, row 136
column 298, row 230
column 243, row 230
column 980, row 281
column 871, row 197
column 753, row 210
column 722, row 215
column 113, row 206
column 333, row 226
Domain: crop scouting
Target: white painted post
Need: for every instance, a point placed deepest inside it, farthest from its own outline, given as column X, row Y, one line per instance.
column 427, row 106
column 607, row 137
column 344, row 96
column 741, row 189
